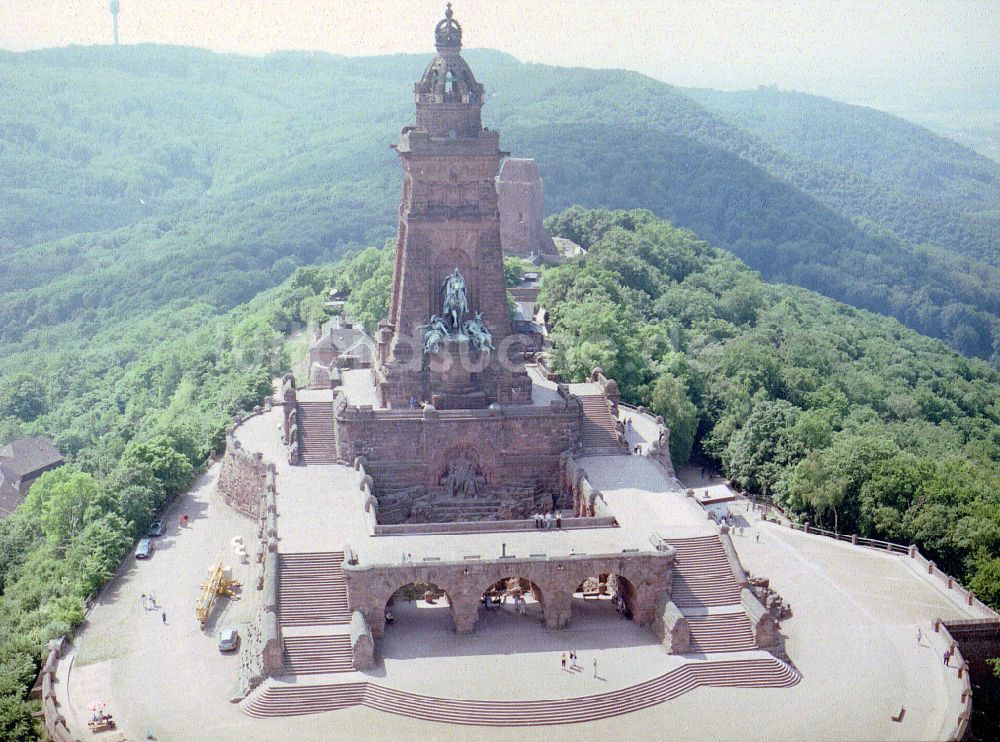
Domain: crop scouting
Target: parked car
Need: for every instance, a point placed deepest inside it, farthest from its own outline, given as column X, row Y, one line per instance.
column 156, row 528
column 144, row 550
column 229, row 639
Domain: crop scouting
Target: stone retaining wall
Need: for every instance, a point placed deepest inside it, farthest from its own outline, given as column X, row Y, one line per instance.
column 959, row 686
column 516, row 450
column 489, row 526
column 55, row 722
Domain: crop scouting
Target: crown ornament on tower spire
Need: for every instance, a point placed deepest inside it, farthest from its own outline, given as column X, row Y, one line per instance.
column 448, row 32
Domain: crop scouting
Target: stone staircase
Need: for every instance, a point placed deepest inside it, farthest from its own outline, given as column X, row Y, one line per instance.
column 721, row 632
column 311, row 589
column 461, row 511
column 598, row 435
column 313, row 655
column 702, row 575
column 317, row 436
column 275, row 699
column 703, row 579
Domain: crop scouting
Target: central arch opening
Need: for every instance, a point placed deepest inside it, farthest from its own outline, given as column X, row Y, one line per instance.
column 512, row 598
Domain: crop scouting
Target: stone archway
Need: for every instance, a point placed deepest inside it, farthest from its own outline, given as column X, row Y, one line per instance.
column 405, row 599
column 609, row 592
column 515, row 594
column 416, row 595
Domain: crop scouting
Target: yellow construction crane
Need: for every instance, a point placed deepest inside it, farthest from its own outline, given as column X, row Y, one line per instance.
column 219, row 582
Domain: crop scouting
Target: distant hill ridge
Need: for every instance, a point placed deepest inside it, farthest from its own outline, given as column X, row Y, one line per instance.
column 137, row 176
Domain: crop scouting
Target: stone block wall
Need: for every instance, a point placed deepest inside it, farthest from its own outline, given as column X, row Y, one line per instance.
column 243, row 479
column 515, row 450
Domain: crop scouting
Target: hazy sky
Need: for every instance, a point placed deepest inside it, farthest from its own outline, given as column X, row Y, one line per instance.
column 882, row 51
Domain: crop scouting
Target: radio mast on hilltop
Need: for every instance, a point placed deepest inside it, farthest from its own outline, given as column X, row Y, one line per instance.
column 115, row 6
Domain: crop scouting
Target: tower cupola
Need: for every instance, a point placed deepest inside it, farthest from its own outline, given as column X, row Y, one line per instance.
column 448, row 97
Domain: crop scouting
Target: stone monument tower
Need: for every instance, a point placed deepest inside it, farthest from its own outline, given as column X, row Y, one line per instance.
column 448, row 339
column 522, row 232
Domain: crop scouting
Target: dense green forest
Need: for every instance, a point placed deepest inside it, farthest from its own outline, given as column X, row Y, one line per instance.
column 149, row 194
column 136, row 409
column 133, row 177
column 845, row 417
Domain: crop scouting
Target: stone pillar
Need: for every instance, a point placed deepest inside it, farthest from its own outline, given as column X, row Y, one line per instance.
column 376, row 621
column 464, row 613
column 557, row 606
column 671, row 627
column 362, row 645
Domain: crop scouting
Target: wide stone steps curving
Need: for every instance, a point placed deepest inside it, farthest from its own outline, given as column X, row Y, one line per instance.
column 277, row 700
column 703, row 576
column 317, row 438
column 721, row 632
column 312, row 655
column 311, row 589
column 598, row 434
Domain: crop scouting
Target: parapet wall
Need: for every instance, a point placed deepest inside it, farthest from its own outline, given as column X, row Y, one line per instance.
column 55, row 722
column 958, row 685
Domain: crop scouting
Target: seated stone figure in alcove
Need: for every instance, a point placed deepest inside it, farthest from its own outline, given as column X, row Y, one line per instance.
column 463, row 479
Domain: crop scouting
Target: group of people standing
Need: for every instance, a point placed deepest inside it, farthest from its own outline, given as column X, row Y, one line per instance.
column 573, row 666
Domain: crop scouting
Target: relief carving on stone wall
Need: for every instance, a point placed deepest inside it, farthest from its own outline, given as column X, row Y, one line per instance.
column 463, row 478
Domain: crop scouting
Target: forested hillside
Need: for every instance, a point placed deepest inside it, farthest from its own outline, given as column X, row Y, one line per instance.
column 846, row 417
column 923, row 187
column 136, row 409
column 134, row 177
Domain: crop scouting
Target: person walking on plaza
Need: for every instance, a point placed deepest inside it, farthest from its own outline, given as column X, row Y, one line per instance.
column 144, row 601
column 563, row 660
column 947, row 656
column 558, row 519
column 548, row 519
column 595, row 667
column 164, row 616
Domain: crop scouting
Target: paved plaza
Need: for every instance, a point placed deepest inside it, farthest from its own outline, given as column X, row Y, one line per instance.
column 853, row 635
